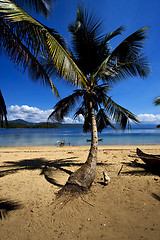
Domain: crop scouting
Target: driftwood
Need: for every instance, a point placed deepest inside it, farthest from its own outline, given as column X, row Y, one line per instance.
column 120, row 170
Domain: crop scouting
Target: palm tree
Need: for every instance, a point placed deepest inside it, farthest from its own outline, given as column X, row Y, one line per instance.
column 157, row 101
column 102, row 68
column 3, row 111
column 26, row 41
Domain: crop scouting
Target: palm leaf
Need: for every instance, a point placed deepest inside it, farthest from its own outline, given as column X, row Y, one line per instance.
column 87, row 126
column 88, row 42
column 3, row 110
column 126, row 60
column 157, row 101
column 38, row 6
column 119, row 114
column 22, row 56
column 102, row 120
column 132, row 68
column 113, row 34
column 61, row 58
column 65, row 105
column 80, row 111
column 131, row 46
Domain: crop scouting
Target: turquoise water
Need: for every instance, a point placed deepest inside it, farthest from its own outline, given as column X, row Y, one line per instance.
column 76, row 137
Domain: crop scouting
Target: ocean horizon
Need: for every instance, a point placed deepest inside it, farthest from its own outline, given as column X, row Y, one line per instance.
column 137, row 135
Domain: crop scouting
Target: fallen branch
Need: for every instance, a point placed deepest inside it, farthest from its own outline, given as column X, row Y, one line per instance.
column 120, row 170
column 87, row 202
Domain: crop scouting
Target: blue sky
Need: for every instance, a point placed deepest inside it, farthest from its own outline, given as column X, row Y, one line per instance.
column 31, row 101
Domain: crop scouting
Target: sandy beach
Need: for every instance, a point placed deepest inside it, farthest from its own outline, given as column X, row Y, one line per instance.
column 127, row 208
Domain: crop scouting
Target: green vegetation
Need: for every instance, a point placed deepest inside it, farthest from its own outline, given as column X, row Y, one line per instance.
column 27, row 41
column 157, row 103
column 102, row 67
column 19, row 123
column 30, row 125
column 3, row 111
column 93, row 65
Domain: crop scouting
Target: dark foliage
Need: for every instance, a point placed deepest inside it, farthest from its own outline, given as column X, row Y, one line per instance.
column 102, row 68
column 3, row 111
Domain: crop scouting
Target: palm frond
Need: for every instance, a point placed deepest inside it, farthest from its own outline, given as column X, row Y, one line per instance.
column 126, row 60
column 157, row 101
column 60, row 56
column 38, row 6
column 87, row 126
column 80, row 111
column 88, row 42
column 3, row 110
column 22, row 56
column 119, row 114
column 103, row 120
column 65, row 105
column 113, row 34
column 130, row 47
column 132, row 68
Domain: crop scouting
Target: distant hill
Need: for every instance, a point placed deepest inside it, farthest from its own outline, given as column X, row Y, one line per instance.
column 20, row 123
column 69, row 125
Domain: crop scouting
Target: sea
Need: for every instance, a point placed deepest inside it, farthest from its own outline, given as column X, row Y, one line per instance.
column 137, row 135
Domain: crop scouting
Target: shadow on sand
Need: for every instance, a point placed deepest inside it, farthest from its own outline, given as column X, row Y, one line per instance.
column 140, row 169
column 155, row 196
column 6, row 206
column 48, row 168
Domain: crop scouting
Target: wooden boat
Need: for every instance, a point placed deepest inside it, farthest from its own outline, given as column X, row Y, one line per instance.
column 150, row 160
column 99, row 140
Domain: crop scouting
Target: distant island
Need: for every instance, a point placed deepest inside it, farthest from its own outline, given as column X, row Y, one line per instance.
column 19, row 123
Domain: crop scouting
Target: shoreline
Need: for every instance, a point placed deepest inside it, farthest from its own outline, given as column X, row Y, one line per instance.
column 144, row 146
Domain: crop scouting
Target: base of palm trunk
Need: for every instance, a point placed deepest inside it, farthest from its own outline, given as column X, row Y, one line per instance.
column 80, row 181
column 71, row 190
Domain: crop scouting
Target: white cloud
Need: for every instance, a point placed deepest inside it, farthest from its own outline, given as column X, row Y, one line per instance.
column 80, row 119
column 149, row 118
column 33, row 114
column 30, row 114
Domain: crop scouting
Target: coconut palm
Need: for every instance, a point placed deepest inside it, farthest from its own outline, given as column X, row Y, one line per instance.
column 102, row 68
column 157, row 101
column 26, row 40
column 3, row 111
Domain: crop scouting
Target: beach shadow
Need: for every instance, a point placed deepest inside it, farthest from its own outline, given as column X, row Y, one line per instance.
column 60, row 164
column 6, row 206
column 48, row 168
column 155, row 196
column 146, row 169
column 11, row 167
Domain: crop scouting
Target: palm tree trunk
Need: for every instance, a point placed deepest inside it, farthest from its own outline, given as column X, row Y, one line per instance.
column 2, row 120
column 3, row 111
column 85, row 175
